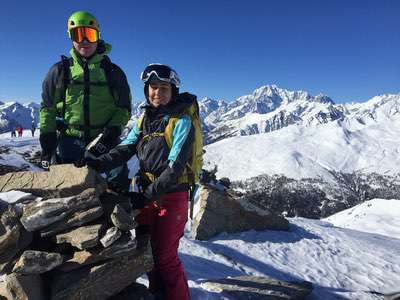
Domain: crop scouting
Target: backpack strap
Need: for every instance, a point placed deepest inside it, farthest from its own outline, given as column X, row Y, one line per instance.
column 108, row 68
column 66, row 63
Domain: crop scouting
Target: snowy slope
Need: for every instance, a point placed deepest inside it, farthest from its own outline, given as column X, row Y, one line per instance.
column 12, row 150
column 378, row 216
column 302, row 151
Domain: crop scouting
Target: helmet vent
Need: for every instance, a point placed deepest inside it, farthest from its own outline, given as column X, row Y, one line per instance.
column 72, row 23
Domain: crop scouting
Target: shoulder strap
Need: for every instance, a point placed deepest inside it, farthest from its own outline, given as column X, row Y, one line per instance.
column 66, row 63
column 108, row 70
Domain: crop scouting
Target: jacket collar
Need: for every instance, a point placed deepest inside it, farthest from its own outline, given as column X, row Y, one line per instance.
column 103, row 48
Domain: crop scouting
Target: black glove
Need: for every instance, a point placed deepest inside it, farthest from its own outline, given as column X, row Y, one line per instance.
column 48, row 142
column 91, row 161
column 108, row 140
column 138, row 200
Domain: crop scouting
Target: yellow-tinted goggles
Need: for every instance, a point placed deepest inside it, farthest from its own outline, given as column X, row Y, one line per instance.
column 78, row 34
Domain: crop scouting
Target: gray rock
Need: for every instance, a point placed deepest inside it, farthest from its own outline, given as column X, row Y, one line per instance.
column 13, row 238
column 4, row 294
column 37, row 262
column 260, row 288
column 122, row 220
column 220, row 212
column 76, row 219
column 40, row 214
column 110, row 237
column 9, row 234
column 135, row 291
column 123, row 247
column 393, row 296
column 60, row 181
column 102, row 281
column 83, row 237
column 25, row 287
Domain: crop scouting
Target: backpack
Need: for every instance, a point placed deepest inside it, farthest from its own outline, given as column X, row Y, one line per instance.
column 194, row 165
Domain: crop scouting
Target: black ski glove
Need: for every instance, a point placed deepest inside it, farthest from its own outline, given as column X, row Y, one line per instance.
column 138, row 200
column 91, row 161
column 109, row 139
column 48, row 142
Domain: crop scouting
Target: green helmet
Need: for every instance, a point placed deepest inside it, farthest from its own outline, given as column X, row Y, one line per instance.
column 82, row 19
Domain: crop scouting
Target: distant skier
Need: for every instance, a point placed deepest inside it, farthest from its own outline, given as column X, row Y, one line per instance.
column 20, row 130
column 33, row 128
column 13, row 132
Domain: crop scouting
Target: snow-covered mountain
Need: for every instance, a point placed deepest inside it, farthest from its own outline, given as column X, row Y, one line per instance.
column 270, row 108
column 13, row 114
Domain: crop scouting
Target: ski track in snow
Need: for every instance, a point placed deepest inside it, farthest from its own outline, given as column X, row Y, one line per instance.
column 342, row 263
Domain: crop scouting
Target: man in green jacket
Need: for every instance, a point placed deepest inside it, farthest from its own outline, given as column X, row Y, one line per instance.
column 84, row 96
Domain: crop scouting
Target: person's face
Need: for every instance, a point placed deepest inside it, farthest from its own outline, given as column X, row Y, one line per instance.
column 160, row 93
column 85, row 48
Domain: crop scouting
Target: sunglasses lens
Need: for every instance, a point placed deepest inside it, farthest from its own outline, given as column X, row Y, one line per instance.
column 78, row 34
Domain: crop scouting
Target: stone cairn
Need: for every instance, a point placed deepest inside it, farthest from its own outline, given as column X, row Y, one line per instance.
column 68, row 238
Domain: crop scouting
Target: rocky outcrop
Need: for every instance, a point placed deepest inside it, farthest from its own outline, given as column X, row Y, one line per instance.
column 40, row 214
column 218, row 211
column 101, row 281
column 71, row 239
column 84, row 237
column 121, row 219
column 25, row 287
column 112, row 234
column 13, row 237
column 260, row 288
column 59, row 181
column 37, row 262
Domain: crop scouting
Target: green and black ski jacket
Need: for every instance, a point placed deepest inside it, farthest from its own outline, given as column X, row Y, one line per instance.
column 95, row 94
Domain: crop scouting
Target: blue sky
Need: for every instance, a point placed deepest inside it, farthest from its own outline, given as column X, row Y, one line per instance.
column 223, row 49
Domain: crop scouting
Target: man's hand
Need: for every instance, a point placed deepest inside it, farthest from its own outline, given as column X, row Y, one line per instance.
column 91, row 161
column 48, row 142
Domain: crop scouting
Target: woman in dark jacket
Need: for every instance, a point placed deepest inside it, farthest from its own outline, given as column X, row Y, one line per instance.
column 164, row 189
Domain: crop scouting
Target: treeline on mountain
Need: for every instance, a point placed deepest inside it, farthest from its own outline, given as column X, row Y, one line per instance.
column 315, row 197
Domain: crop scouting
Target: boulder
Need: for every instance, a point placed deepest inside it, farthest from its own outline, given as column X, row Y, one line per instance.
column 218, row 211
column 102, row 281
column 121, row 219
column 13, row 238
column 59, row 181
column 37, row 262
column 257, row 287
column 112, row 234
column 84, row 237
column 76, row 219
column 135, row 291
column 124, row 246
column 40, row 214
column 24, row 287
column 4, row 294
column 9, row 234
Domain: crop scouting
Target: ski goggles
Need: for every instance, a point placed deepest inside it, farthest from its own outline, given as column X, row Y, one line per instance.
column 162, row 72
column 78, row 34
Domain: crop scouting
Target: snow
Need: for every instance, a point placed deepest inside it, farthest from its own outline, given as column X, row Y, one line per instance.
column 378, row 216
column 15, row 196
column 301, row 151
column 18, row 146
